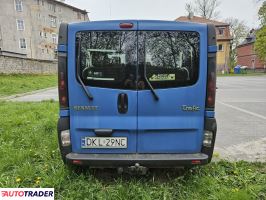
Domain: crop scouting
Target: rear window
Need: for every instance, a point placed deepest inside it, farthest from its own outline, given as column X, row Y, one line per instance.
column 122, row 59
column 108, row 58
column 169, row 58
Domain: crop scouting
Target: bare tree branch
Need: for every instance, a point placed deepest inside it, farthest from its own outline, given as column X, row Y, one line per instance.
column 204, row 8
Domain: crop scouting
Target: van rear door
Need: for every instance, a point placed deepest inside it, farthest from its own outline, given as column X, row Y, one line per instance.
column 105, row 58
column 172, row 61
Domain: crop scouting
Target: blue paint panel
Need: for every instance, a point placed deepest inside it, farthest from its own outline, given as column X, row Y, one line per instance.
column 62, row 48
column 169, row 141
column 64, row 113
column 210, row 114
column 212, row 49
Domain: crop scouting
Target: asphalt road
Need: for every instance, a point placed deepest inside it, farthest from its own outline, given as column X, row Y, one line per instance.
column 241, row 118
column 240, row 114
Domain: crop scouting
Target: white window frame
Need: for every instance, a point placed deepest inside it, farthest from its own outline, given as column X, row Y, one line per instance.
column 18, row 4
column 20, row 27
column 222, row 47
column 223, row 29
column 54, row 38
column 53, row 20
column 52, row 7
column 22, row 45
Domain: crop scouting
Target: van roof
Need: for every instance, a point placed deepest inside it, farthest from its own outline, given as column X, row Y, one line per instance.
column 150, row 22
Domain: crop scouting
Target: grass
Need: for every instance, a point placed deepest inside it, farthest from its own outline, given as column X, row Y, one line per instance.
column 30, row 158
column 20, row 83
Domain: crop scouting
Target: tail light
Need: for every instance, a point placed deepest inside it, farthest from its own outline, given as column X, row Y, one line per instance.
column 62, row 66
column 211, row 74
column 62, row 82
column 65, row 138
column 208, row 138
column 211, row 88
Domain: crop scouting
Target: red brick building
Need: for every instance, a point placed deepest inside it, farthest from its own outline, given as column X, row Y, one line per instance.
column 246, row 55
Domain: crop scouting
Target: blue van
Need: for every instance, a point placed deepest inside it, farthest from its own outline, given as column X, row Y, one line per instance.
column 137, row 93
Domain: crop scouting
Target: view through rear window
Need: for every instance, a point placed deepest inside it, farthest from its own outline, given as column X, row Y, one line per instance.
column 108, row 58
column 115, row 59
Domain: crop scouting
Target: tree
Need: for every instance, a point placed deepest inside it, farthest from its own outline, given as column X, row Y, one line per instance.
column 238, row 31
column 262, row 14
column 189, row 8
column 204, row 8
column 260, row 44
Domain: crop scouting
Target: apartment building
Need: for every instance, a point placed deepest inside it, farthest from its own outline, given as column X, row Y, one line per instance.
column 29, row 28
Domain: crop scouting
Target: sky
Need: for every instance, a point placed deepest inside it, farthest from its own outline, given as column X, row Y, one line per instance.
column 245, row 10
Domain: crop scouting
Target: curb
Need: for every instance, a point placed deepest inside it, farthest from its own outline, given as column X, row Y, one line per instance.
column 24, row 94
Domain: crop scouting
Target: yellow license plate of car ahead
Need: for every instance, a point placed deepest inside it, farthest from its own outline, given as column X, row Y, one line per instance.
column 104, row 142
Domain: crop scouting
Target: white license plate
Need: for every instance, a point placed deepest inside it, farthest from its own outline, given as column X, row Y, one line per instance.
column 104, row 142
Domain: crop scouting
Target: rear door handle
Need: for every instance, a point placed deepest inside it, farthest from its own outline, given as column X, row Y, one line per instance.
column 103, row 132
column 122, row 103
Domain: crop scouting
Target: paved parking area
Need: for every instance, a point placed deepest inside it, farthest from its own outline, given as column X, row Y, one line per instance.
column 241, row 118
column 50, row 94
column 240, row 113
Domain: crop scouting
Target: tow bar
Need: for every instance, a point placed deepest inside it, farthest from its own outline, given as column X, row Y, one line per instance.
column 135, row 169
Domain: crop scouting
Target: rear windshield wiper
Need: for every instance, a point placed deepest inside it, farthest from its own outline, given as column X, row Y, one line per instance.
column 87, row 92
column 156, row 97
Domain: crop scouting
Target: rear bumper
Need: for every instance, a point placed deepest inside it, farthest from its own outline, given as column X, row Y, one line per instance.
column 146, row 160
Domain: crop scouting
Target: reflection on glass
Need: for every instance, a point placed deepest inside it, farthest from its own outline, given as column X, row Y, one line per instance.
column 108, row 58
column 171, row 58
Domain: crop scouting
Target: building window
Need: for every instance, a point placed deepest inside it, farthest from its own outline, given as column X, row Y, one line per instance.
column 20, row 25
column 42, row 34
column 78, row 15
column 221, row 31
column 220, row 47
column 52, row 21
column 51, row 7
column 54, row 38
column 22, row 43
column 18, row 5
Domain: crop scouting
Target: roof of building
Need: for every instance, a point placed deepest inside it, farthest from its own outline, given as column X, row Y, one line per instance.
column 250, row 39
column 200, row 20
column 67, row 5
